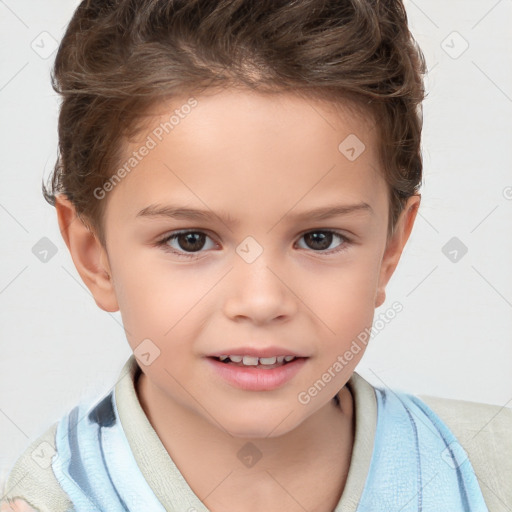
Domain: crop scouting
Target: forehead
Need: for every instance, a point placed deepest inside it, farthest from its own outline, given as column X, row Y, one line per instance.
column 250, row 115
column 249, row 148
column 266, row 109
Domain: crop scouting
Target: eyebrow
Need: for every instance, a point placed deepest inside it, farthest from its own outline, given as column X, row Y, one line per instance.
column 178, row 212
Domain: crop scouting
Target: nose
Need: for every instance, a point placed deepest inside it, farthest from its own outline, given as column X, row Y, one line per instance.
column 259, row 292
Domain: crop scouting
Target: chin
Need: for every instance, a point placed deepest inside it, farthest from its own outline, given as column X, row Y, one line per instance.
column 260, row 425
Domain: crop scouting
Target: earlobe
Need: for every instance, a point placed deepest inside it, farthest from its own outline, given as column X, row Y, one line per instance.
column 89, row 256
column 395, row 246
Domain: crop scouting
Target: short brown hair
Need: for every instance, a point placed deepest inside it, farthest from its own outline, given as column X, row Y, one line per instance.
column 118, row 58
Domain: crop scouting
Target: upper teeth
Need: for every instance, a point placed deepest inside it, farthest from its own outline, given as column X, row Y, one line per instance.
column 253, row 361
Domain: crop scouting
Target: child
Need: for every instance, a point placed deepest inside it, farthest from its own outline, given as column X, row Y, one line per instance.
column 209, row 150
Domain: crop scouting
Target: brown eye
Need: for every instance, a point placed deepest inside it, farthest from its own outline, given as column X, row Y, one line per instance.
column 322, row 241
column 191, row 242
column 186, row 243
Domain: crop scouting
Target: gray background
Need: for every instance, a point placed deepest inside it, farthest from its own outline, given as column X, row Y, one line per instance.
column 453, row 337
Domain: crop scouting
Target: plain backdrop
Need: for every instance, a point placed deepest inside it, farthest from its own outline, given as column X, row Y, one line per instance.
column 453, row 337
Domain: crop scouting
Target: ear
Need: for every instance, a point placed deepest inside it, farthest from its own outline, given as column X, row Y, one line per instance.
column 395, row 246
column 89, row 256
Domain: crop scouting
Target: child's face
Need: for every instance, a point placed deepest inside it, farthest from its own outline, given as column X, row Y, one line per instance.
column 255, row 280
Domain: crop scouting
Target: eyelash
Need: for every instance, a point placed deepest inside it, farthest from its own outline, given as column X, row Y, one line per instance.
column 192, row 255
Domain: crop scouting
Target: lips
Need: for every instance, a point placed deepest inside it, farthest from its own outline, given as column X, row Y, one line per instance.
column 256, row 378
column 259, row 352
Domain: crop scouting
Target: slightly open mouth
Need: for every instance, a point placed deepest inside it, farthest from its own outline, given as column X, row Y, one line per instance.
column 259, row 365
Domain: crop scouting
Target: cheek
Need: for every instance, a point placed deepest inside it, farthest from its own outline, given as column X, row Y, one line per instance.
column 344, row 296
column 345, row 310
column 158, row 300
column 162, row 301
column 139, row 291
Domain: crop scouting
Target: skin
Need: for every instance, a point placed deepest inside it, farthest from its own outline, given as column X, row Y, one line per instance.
column 17, row 505
column 262, row 159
